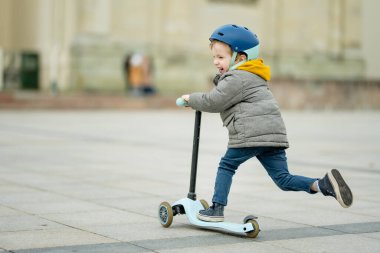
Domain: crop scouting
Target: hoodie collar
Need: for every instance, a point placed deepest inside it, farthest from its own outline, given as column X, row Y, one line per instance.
column 256, row 67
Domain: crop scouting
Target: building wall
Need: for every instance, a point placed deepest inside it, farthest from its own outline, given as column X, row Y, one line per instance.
column 83, row 43
column 371, row 39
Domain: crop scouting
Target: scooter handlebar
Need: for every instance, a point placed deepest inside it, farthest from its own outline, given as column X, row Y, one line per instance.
column 181, row 102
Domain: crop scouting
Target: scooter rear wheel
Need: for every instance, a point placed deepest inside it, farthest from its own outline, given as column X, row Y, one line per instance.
column 256, row 229
column 165, row 214
column 249, row 217
column 204, row 204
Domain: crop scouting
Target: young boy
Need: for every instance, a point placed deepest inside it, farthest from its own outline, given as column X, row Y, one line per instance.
column 253, row 119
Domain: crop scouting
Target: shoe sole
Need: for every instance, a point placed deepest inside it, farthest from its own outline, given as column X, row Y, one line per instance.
column 210, row 218
column 342, row 191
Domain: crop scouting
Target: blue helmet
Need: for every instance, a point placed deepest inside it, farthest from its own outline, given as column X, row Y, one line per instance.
column 239, row 38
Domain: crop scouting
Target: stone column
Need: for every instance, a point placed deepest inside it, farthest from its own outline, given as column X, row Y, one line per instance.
column 95, row 16
column 371, row 39
column 1, row 69
column 5, row 23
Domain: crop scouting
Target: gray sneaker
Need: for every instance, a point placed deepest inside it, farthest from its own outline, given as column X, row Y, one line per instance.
column 332, row 184
column 213, row 214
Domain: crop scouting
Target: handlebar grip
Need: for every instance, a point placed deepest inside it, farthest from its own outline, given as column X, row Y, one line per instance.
column 181, row 102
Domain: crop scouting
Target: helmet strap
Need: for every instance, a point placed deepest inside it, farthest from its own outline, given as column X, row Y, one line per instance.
column 237, row 65
column 233, row 59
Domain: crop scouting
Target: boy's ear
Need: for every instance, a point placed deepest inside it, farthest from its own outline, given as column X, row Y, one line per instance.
column 242, row 57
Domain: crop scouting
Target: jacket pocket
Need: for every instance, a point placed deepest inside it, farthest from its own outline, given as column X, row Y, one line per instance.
column 232, row 128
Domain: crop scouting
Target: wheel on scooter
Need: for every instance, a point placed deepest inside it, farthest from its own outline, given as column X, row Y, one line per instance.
column 165, row 214
column 204, row 204
column 256, row 228
column 249, row 217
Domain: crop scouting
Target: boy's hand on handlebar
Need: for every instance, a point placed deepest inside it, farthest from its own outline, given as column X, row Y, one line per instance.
column 186, row 97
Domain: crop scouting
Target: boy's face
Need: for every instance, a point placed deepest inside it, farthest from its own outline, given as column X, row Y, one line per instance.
column 221, row 56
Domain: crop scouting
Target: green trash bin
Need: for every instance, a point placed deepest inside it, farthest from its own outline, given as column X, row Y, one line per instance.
column 29, row 71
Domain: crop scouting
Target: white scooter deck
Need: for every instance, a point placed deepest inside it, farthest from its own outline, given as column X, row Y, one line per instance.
column 192, row 207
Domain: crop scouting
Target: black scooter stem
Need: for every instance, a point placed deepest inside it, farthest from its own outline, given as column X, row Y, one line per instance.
column 194, row 159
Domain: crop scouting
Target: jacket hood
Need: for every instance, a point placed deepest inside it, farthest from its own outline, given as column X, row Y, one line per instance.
column 256, row 67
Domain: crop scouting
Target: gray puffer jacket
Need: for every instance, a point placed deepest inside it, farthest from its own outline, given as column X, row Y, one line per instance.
column 247, row 108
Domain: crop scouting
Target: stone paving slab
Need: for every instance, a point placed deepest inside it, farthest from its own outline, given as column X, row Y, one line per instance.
column 91, row 181
column 141, row 231
column 49, row 238
column 110, row 217
column 25, row 222
column 6, row 212
column 58, row 207
column 92, row 248
column 333, row 243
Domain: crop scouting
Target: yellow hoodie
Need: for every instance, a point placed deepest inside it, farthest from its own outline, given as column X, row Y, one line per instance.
column 256, row 67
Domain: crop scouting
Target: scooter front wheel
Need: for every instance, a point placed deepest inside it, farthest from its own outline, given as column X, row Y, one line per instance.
column 165, row 214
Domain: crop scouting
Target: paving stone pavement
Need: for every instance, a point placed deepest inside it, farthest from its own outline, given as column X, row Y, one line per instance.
column 91, row 181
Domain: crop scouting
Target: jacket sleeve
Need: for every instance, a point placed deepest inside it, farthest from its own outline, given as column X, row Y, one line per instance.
column 227, row 93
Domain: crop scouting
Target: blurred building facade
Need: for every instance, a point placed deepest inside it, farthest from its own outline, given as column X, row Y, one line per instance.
column 82, row 44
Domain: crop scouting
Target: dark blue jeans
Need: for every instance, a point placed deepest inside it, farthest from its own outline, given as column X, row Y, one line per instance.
column 274, row 161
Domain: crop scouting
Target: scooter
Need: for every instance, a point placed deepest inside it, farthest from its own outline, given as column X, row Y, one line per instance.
column 191, row 206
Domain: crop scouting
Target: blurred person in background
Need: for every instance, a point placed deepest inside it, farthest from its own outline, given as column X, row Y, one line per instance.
column 138, row 70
